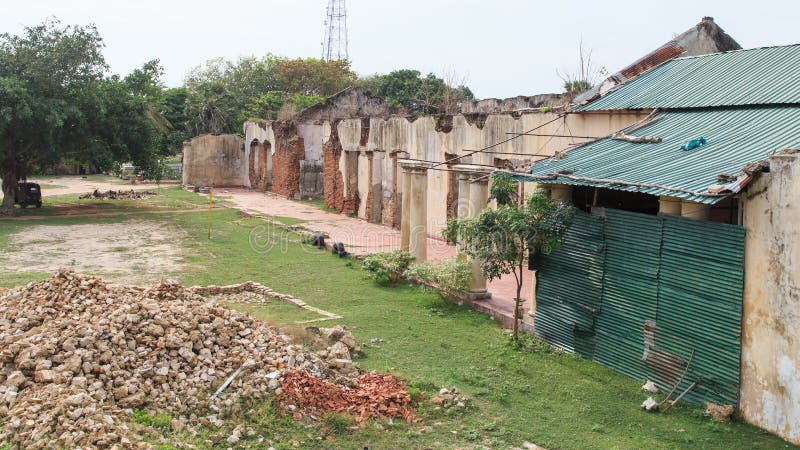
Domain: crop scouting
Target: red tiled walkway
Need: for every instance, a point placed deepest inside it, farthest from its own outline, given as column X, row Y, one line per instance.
column 361, row 237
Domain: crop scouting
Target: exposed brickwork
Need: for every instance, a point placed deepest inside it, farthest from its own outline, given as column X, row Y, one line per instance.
column 352, row 201
column 389, row 213
column 333, row 185
column 368, row 209
column 258, row 181
column 262, row 165
column 289, row 151
column 452, row 189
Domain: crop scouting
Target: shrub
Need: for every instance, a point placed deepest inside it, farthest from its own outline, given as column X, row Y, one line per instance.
column 338, row 423
column 451, row 277
column 159, row 420
column 387, row 267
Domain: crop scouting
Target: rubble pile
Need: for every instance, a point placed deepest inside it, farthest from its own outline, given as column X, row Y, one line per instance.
column 117, row 195
column 78, row 354
column 450, row 398
column 374, row 396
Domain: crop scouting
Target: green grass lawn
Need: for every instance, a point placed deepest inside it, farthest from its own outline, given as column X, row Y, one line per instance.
column 531, row 393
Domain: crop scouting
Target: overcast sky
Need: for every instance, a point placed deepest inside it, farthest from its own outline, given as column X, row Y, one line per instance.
column 503, row 48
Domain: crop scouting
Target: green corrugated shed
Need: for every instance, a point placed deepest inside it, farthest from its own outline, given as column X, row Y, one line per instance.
column 630, row 291
column 570, row 295
column 700, row 302
column 736, row 137
column 616, row 274
column 758, row 76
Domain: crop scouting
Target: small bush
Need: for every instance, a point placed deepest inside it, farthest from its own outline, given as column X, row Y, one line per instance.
column 160, row 420
column 338, row 423
column 451, row 277
column 387, row 267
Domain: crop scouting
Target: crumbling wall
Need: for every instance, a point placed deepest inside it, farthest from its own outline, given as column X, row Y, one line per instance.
column 352, row 102
column 215, row 160
column 770, row 373
column 289, row 151
column 333, row 186
column 519, row 103
column 260, row 161
column 311, row 171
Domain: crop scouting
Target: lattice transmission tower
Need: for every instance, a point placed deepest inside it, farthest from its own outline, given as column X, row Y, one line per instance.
column 335, row 45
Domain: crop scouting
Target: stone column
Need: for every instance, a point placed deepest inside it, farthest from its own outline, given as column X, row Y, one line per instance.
column 669, row 205
column 694, row 210
column 418, row 231
column 478, row 199
column 462, row 207
column 405, row 214
column 561, row 192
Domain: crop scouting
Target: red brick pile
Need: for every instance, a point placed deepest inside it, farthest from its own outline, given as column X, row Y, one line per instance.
column 374, row 396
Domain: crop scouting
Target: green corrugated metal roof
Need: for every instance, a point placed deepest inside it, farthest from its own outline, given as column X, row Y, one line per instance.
column 736, row 137
column 759, row 76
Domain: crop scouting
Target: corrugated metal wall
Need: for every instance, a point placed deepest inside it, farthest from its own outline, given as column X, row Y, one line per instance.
column 572, row 294
column 640, row 293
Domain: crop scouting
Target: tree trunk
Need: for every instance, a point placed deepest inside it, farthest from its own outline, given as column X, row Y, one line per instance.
column 517, row 303
column 9, row 187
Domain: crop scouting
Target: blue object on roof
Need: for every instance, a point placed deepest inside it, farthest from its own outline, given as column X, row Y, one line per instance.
column 694, row 143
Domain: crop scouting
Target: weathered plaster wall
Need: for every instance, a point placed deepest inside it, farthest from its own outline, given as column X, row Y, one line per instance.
column 770, row 377
column 359, row 183
column 215, row 160
column 431, row 138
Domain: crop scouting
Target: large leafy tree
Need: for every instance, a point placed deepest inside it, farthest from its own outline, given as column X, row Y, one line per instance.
column 222, row 94
column 409, row 90
column 55, row 103
column 502, row 238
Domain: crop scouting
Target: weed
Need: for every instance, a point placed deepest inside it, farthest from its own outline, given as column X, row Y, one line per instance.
column 159, row 420
column 338, row 423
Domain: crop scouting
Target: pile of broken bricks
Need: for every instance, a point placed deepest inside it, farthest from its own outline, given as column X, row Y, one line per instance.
column 79, row 355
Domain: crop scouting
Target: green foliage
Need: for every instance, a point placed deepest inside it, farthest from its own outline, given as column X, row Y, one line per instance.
column 338, row 423
column 452, row 277
column 503, row 189
column 159, row 420
column 501, row 238
column 54, row 102
column 577, row 86
column 387, row 267
column 223, row 94
column 408, row 90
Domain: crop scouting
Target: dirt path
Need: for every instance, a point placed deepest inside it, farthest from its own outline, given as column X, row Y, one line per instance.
column 82, row 212
column 134, row 251
column 75, row 184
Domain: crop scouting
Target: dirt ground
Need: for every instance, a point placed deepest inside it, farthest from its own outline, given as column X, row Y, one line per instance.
column 75, row 184
column 134, row 251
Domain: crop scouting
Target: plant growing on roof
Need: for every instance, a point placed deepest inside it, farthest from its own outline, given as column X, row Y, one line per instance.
column 502, row 238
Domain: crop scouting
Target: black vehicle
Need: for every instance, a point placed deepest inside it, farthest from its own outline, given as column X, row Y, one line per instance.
column 28, row 194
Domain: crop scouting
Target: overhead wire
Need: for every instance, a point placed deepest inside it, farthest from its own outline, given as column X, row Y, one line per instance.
column 499, row 143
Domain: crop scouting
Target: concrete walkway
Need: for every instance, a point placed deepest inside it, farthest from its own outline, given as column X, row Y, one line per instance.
column 361, row 237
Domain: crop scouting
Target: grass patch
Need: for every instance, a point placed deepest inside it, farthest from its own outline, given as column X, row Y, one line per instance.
column 159, row 420
column 319, row 204
column 518, row 393
column 276, row 312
